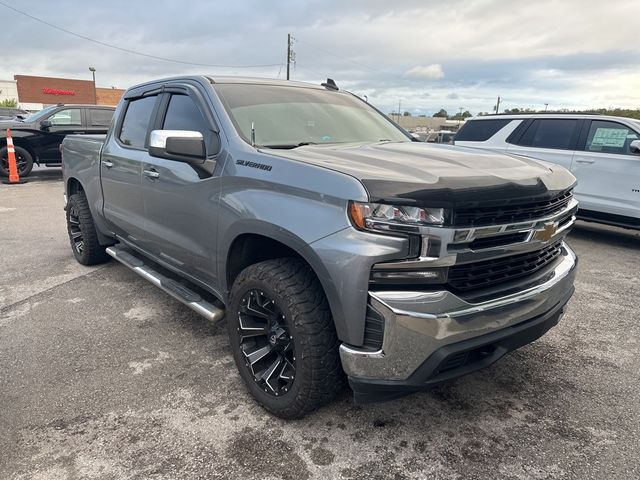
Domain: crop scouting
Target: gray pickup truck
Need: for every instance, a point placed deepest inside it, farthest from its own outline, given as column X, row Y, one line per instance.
column 335, row 247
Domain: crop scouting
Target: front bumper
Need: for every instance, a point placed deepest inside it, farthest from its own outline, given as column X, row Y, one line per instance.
column 431, row 337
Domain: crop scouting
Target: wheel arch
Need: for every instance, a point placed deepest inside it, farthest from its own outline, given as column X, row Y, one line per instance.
column 73, row 186
column 264, row 241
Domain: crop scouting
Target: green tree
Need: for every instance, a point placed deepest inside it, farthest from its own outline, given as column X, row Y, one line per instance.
column 442, row 113
column 406, row 114
column 9, row 103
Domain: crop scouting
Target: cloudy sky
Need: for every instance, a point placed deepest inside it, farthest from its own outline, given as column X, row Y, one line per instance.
column 426, row 54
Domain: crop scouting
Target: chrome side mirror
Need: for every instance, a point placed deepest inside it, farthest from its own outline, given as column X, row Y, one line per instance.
column 180, row 145
column 634, row 147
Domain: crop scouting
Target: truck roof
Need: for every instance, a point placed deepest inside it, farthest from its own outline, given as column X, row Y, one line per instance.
column 231, row 79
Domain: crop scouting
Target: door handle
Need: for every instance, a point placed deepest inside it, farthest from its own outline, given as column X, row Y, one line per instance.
column 151, row 173
column 107, row 163
column 584, row 160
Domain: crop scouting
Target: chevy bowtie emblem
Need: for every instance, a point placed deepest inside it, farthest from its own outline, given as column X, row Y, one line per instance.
column 548, row 231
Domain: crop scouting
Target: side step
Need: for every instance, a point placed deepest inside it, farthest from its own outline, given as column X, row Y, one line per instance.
column 190, row 298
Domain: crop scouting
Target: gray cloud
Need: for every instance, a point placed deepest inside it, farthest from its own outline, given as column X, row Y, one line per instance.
column 531, row 53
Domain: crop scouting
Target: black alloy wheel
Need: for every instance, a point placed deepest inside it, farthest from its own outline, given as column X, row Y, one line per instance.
column 266, row 343
column 24, row 162
column 75, row 233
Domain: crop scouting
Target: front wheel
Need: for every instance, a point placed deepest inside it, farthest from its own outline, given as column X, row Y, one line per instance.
column 24, row 162
column 82, row 232
column 283, row 338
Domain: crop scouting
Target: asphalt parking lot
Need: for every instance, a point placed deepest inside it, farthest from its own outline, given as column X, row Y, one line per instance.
column 104, row 376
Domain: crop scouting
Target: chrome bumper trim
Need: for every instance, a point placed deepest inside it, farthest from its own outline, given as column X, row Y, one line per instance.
column 419, row 323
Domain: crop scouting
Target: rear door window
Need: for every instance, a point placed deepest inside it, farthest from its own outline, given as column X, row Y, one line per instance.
column 100, row 117
column 480, row 130
column 135, row 123
column 557, row 133
column 610, row 137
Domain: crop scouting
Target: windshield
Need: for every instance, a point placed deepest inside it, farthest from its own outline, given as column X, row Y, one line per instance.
column 287, row 117
column 34, row 117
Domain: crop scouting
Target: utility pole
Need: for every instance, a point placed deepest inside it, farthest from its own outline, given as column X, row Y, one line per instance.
column 288, row 54
column 498, row 105
column 399, row 104
column 545, row 106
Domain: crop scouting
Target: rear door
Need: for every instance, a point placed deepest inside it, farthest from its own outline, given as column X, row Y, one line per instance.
column 550, row 139
column 608, row 172
column 121, row 163
column 97, row 120
column 180, row 200
column 63, row 122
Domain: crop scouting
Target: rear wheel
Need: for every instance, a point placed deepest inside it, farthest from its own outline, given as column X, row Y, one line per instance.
column 283, row 339
column 82, row 232
column 24, row 162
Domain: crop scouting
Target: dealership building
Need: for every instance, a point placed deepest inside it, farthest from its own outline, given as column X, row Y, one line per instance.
column 34, row 93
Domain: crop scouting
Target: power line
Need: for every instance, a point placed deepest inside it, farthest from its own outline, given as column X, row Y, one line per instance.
column 133, row 52
column 336, row 55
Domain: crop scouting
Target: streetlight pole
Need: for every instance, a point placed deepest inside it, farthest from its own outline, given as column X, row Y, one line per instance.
column 95, row 95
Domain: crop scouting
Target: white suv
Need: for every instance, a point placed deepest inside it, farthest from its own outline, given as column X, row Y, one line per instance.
column 602, row 152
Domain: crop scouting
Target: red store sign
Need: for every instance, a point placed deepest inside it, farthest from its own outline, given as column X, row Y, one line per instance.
column 55, row 91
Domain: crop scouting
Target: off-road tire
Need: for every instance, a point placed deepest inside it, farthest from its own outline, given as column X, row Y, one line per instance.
column 79, row 220
column 24, row 160
column 294, row 287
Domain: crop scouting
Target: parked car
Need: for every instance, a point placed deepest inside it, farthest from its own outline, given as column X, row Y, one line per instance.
column 7, row 113
column 602, row 152
column 330, row 241
column 441, row 136
column 37, row 137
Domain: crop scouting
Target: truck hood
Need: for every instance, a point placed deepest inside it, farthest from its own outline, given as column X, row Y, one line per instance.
column 438, row 175
column 4, row 124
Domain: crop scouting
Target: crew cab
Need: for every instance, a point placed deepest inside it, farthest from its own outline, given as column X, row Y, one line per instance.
column 331, row 244
column 38, row 136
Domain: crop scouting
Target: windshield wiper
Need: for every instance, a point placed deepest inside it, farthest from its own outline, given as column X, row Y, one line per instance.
column 289, row 146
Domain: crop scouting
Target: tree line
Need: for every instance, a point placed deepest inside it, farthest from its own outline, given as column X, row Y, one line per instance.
column 616, row 112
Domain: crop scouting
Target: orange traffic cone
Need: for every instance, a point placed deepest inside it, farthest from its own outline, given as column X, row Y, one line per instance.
column 14, row 177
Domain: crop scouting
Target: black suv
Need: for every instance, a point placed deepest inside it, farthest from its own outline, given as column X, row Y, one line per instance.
column 37, row 137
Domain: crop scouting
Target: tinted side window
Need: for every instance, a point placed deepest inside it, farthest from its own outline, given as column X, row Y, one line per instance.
column 480, row 130
column 100, row 117
column 550, row 133
column 70, row 116
column 610, row 137
column 136, row 122
column 183, row 114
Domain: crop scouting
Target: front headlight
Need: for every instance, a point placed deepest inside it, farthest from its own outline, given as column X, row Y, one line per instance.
column 401, row 218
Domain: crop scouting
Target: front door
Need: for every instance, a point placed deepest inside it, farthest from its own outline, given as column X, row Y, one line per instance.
column 181, row 201
column 63, row 122
column 608, row 172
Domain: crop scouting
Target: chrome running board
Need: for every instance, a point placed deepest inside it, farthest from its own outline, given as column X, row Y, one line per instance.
column 183, row 294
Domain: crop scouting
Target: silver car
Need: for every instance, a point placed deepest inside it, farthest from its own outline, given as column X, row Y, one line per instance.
column 602, row 152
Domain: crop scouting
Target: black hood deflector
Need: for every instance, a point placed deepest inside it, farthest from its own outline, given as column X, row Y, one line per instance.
column 413, row 173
